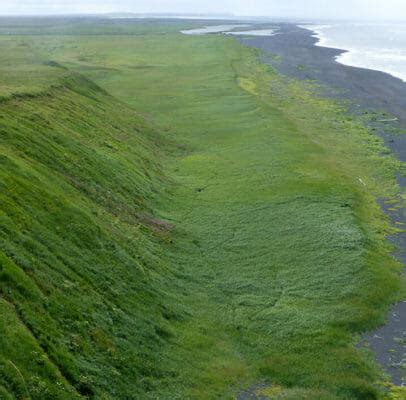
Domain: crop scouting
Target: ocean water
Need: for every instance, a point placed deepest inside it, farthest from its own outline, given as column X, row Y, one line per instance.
column 380, row 47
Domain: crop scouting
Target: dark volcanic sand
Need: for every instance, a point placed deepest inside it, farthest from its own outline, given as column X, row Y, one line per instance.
column 366, row 90
column 300, row 58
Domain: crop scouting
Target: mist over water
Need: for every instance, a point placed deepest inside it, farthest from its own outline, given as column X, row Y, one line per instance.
column 376, row 46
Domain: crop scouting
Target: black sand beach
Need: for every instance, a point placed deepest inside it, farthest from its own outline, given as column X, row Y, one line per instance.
column 371, row 90
column 366, row 90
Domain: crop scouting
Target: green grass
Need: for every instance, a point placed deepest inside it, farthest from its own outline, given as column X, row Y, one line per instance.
column 180, row 222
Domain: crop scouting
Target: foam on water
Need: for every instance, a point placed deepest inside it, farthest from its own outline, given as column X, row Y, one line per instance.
column 380, row 47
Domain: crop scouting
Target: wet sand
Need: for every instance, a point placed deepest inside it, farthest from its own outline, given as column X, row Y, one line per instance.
column 366, row 90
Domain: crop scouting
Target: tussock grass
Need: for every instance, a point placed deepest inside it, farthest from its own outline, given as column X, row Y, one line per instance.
column 229, row 236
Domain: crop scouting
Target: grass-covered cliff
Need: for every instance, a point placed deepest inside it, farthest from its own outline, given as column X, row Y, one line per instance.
column 81, row 264
column 179, row 222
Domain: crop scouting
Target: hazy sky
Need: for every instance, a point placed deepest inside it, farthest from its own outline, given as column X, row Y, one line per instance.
column 358, row 9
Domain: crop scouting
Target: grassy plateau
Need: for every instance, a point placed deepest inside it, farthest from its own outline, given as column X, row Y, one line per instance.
column 178, row 221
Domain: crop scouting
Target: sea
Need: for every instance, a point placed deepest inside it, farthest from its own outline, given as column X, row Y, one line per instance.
column 376, row 46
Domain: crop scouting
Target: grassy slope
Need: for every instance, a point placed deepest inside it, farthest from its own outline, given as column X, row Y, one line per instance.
column 277, row 255
column 82, row 280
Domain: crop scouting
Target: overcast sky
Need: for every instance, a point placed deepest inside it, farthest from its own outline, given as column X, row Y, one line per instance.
column 354, row 9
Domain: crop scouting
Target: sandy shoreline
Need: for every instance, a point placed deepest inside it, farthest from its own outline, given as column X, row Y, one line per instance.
column 302, row 59
column 367, row 90
column 351, row 55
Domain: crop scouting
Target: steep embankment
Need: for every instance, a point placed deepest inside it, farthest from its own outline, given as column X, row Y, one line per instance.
column 82, row 277
column 265, row 261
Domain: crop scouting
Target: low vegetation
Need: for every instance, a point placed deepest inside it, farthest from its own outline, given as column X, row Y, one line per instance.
column 180, row 222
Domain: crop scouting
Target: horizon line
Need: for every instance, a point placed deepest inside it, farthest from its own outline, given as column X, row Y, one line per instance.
column 186, row 16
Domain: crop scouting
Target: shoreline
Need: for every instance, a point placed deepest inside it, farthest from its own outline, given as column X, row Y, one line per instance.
column 295, row 53
column 344, row 57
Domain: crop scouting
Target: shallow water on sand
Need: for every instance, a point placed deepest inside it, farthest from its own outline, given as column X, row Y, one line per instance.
column 213, row 29
column 255, row 32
